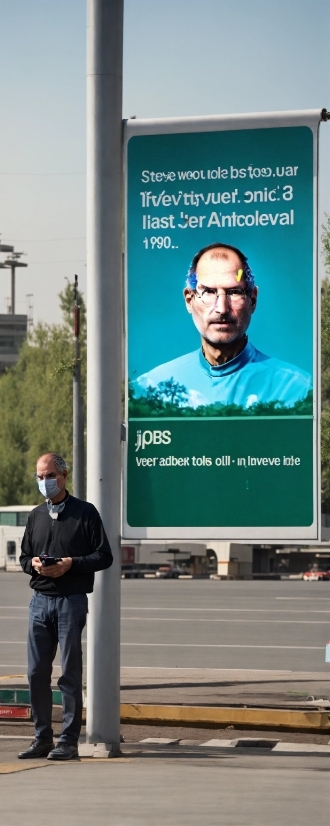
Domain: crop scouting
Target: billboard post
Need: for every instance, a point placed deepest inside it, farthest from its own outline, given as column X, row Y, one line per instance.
column 223, row 326
column 78, row 414
column 104, row 313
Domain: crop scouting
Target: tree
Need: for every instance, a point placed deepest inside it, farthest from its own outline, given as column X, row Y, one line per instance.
column 173, row 392
column 166, row 399
column 36, row 403
column 325, row 370
column 325, row 238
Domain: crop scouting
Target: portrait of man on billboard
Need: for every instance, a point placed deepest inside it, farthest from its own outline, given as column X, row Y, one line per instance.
column 227, row 369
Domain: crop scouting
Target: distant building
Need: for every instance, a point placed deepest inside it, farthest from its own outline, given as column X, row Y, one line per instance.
column 13, row 331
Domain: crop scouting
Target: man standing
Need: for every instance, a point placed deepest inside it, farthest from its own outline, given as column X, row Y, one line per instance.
column 71, row 532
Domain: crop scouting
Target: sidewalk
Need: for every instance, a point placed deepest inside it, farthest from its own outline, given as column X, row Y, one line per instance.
column 172, row 786
column 218, row 687
column 239, row 703
column 189, row 686
column 200, row 779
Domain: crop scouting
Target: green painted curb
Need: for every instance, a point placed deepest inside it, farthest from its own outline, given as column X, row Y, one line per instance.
column 21, row 696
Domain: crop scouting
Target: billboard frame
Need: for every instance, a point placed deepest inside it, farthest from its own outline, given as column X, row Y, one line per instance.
column 162, row 126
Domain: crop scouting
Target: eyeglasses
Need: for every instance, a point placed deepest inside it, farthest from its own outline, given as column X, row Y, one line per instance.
column 234, row 295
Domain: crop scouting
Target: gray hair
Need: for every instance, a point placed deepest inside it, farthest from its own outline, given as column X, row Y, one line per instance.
column 58, row 460
column 60, row 463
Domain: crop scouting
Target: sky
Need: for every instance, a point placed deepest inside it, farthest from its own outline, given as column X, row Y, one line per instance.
column 182, row 57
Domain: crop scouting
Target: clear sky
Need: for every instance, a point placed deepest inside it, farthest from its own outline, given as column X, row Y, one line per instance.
column 181, row 57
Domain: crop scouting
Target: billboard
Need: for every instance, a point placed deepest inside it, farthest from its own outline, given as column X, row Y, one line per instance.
column 222, row 328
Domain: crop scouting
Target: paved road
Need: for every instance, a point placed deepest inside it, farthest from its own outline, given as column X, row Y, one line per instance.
column 198, row 624
column 212, row 624
column 191, row 624
column 168, row 790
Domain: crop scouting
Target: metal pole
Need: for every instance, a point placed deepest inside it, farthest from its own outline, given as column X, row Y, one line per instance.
column 12, row 289
column 78, row 422
column 104, row 312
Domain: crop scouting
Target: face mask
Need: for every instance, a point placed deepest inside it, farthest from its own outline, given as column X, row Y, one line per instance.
column 49, row 488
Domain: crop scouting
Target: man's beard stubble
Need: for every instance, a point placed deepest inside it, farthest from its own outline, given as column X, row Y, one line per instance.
column 229, row 337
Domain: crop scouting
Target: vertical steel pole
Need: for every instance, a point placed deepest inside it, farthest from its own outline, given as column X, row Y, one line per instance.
column 104, row 332
column 13, row 298
column 78, row 415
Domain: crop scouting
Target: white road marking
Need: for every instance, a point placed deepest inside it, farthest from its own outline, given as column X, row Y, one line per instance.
column 216, row 645
column 181, row 619
column 205, row 610
column 231, row 610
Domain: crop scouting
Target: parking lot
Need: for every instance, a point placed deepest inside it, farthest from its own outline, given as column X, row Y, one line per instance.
column 172, row 632
column 281, row 625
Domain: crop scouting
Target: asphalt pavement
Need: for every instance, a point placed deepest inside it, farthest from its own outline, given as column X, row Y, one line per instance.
column 185, row 641
column 172, row 786
column 197, row 624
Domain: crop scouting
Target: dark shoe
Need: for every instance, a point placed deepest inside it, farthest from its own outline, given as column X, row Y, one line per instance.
column 37, row 749
column 63, row 752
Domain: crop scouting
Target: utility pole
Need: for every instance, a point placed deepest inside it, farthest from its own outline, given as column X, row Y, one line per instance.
column 78, row 418
column 104, row 362
column 29, row 297
column 13, row 262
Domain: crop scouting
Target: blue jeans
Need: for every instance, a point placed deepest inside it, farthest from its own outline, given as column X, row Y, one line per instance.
column 53, row 621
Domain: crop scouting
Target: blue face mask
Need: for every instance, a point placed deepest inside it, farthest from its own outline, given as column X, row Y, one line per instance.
column 49, row 488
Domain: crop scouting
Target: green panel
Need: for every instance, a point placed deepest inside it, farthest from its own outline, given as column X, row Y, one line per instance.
column 8, row 518
column 251, row 188
column 221, row 473
column 7, row 695
column 22, row 518
column 21, row 696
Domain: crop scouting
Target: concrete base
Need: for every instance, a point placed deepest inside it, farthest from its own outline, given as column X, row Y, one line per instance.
column 101, row 750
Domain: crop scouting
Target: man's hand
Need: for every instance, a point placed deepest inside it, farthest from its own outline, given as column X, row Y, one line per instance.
column 36, row 564
column 61, row 567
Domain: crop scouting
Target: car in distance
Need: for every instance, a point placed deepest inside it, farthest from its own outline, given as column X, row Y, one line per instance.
column 316, row 575
column 168, row 572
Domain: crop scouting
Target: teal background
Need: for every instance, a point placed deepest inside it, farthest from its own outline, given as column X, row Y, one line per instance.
column 281, row 257
column 225, row 496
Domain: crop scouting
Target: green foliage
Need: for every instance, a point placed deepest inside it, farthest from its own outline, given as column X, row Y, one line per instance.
column 325, row 238
column 325, row 342
column 36, row 404
column 168, row 399
column 325, row 370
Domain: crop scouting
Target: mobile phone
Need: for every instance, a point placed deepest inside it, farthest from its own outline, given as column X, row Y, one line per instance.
column 48, row 560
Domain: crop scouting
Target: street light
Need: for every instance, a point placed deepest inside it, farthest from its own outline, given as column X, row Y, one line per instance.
column 6, row 248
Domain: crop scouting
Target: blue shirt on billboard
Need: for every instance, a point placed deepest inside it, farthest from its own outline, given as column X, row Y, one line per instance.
column 250, row 378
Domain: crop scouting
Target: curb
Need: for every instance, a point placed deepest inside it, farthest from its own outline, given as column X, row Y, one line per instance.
column 209, row 716
column 13, row 700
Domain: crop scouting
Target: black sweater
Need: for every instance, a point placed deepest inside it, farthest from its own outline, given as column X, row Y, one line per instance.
column 79, row 533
